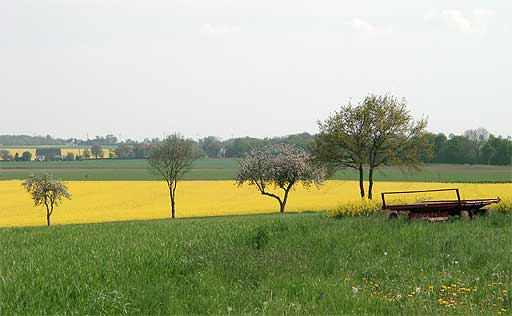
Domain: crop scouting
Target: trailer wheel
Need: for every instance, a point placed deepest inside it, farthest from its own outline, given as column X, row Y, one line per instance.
column 464, row 215
column 393, row 216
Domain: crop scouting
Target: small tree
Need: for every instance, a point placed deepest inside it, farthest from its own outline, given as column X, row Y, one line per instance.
column 26, row 156
column 96, row 151
column 171, row 159
column 86, row 154
column 477, row 138
column 70, row 156
column 5, row 155
column 124, row 151
column 211, row 145
column 47, row 191
column 280, row 167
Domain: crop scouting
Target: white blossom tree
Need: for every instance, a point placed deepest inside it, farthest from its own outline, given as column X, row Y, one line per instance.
column 278, row 167
column 47, row 191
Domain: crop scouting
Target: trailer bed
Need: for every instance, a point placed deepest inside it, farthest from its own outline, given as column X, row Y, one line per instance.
column 437, row 210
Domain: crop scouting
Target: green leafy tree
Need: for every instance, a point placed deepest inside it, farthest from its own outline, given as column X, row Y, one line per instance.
column 379, row 131
column 342, row 141
column 171, row 159
column 395, row 138
column 456, row 150
column 26, row 156
column 501, row 150
column 124, row 151
column 70, row 156
column 86, row 154
column 212, row 146
column 47, row 191
column 140, row 150
column 476, row 139
column 96, row 151
column 238, row 147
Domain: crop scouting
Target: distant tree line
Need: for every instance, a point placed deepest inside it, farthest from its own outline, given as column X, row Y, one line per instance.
column 476, row 146
column 26, row 140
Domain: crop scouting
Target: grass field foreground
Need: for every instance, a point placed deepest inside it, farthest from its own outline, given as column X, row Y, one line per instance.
column 298, row 264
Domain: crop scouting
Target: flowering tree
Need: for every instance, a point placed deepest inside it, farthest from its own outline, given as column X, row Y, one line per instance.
column 278, row 167
column 47, row 191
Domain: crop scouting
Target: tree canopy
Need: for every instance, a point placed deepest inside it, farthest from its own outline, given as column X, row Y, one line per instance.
column 47, row 191
column 378, row 131
column 280, row 167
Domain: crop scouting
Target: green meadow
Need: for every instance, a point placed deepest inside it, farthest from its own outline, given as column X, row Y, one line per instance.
column 289, row 264
column 226, row 169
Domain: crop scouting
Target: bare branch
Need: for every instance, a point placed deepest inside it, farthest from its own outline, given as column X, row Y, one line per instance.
column 171, row 159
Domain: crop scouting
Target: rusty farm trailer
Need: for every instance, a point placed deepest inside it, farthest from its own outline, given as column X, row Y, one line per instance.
column 437, row 210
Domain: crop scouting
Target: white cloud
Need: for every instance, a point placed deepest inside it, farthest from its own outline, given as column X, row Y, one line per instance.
column 457, row 20
column 482, row 18
column 219, row 29
column 362, row 26
column 483, row 13
column 477, row 21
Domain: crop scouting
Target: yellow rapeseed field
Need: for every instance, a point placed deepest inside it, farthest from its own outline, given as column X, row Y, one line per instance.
column 64, row 151
column 80, row 151
column 102, row 201
column 20, row 151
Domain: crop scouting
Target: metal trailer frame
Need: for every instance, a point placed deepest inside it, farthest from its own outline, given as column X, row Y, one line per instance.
column 437, row 210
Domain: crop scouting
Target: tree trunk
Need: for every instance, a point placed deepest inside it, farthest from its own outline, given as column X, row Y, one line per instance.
column 173, row 204
column 283, row 203
column 281, row 206
column 370, row 185
column 48, row 212
column 285, row 197
column 361, row 180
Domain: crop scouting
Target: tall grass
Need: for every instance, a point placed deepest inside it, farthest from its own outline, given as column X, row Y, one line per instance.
column 298, row 264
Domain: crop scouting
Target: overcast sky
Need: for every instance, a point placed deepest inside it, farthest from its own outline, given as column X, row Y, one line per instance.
column 72, row 68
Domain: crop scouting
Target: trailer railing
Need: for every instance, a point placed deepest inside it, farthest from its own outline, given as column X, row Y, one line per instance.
column 418, row 191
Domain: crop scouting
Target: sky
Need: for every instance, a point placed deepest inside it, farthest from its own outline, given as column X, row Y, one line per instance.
column 230, row 68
